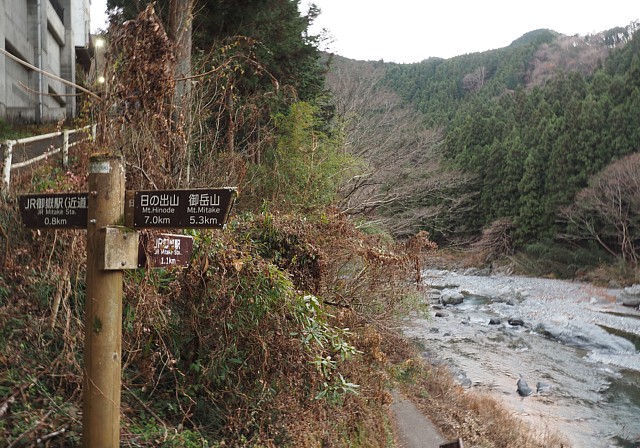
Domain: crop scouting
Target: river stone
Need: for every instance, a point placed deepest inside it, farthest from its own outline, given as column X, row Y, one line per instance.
column 494, row 321
column 516, row 322
column 523, row 388
column 441, row 314
column 586, row 336
column 477, row 272
column 449, row 297
column 543, row 388
column 631, row 296
column 634, row 303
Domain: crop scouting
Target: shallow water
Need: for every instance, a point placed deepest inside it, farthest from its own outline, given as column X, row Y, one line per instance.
column 575, row 338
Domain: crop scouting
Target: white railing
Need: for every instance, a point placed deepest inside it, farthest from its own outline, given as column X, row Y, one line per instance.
column 9, row 144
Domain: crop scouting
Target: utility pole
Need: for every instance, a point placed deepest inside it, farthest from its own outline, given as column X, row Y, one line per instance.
column 103, row 308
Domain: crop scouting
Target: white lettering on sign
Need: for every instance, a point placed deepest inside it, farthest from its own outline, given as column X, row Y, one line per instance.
column 204, row 200
column 159, row 200
column 56, row 203
column 167, row 246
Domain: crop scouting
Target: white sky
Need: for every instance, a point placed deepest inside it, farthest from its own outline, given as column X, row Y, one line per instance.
column 98, row 15
column 414, row 30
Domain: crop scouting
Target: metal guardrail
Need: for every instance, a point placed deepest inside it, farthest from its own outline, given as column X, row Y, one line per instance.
column 9, row 144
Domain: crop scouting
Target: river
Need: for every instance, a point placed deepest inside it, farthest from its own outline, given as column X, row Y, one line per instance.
column 575, row 338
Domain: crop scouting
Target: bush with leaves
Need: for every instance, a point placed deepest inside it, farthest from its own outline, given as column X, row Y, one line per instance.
column 304, row 168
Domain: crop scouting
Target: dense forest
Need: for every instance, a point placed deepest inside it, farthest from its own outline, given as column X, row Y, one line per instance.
column 525, row 130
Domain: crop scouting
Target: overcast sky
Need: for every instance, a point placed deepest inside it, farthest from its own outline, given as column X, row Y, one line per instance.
column 414, row 30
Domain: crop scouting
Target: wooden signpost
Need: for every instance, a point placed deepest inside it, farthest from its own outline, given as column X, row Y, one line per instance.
column 112, row 248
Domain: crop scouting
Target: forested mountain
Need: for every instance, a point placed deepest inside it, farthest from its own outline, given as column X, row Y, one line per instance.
column 529, row 125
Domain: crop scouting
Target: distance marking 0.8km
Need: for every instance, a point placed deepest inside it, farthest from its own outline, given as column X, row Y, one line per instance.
column 54, row 210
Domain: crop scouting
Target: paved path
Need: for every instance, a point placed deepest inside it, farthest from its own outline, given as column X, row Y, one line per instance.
column 26, row 151
column 413, row 429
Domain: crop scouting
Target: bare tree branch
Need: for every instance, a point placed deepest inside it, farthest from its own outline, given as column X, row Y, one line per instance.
column 391, row 141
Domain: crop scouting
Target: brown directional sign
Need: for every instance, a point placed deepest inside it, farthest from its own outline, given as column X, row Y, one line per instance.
column 179, row 209
column 165, row 251
column 54, row 210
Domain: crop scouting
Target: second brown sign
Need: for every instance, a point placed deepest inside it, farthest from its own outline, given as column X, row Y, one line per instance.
column 179, row 209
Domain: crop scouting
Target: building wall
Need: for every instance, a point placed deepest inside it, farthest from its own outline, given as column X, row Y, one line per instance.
column 33, row 31
column 3, row 62
column 80, row 22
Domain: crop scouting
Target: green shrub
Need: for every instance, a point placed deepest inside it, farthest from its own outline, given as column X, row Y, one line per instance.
column 304, row 167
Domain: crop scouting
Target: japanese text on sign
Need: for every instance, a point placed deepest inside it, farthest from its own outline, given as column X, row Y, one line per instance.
column 166, row 251
column 57, row 210
column 203, row 208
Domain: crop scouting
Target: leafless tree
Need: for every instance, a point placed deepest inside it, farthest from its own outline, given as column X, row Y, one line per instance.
column 565, row 54
column 474, row 81
column 496, row 240
column 608, row 211
column 400, row 158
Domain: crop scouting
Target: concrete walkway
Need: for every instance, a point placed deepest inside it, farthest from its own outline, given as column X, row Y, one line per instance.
column 413, row 429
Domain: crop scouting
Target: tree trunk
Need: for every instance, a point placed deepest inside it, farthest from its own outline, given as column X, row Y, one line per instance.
column 180, row 28
column 180, row 25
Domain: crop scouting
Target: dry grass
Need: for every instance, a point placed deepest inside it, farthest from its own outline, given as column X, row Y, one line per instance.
column 478, row 419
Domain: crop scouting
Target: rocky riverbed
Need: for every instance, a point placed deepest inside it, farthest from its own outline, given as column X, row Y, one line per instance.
column 577, row 340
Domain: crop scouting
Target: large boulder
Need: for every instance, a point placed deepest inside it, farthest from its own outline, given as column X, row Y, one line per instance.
column 449, row 297
column 631, row 296
column 523, row 388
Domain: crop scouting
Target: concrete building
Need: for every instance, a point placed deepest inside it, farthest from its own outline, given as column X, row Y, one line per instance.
column 52, row 35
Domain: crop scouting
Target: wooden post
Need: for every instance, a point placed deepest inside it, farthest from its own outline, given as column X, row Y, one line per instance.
column 103, row 309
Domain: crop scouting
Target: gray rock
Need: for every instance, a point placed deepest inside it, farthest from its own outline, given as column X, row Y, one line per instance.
column 633, row 290
column 523, row 388
column 630, row 296
column 516, row 322
column 494, row 321
column 585, row 336
column 441, row 314
column 477, row 272
column 542, row 388
column 449, row 297
column 633, row 302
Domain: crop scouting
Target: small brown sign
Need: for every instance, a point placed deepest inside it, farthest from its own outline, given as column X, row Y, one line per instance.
column 165, row 251
column 54, row 210
column 179, row 209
